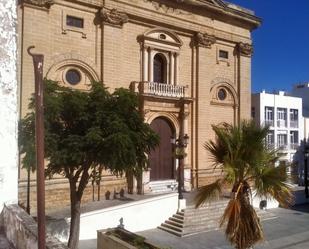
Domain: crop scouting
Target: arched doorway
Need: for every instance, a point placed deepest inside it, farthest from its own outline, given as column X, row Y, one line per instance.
column 161, row 159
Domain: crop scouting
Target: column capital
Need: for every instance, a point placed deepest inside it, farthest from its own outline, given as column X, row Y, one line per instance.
column 245, row 49
column 113, row 17
column 204, row 40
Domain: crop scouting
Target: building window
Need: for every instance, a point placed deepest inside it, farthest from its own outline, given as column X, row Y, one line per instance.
column 223, row 54
column 159, row 68
column 294, row 139
column 270, row 140
column 293, row 118
column 281, row 117
column 222, row 94
column 75, row 22
column 269, row 116
column 73, row 76
column 282, row 141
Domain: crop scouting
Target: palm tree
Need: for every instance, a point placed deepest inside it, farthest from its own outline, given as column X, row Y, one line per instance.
column 247, row 165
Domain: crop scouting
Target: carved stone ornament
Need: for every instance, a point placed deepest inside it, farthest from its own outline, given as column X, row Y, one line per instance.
column 114, row 17
column 40, row 3
column 204, row 40
column 245, row 49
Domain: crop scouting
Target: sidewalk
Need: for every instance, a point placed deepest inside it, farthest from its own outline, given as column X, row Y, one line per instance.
column 289, row 231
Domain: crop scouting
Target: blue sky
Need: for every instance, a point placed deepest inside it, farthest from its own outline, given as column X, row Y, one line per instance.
column 281, row 44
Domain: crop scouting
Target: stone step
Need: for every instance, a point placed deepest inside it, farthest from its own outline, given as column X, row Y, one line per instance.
column 178, row 216
column 172, row 227
column 179, row 220
column 179, row 234
column 174, row 223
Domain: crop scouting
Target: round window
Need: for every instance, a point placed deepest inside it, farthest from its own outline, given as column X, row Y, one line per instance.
column 73, row 76
column 222, row 94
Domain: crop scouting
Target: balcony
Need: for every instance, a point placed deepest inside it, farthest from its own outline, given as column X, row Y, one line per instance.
column 281, row 123
column 269, row 123
column 282, row 147
column 159, row 89
column 293, row 124
column 294, row 146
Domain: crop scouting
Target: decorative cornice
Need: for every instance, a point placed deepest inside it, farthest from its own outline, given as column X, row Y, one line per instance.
column 40, row 3
column 204, row 40
column 113, row 17
column 245, row 49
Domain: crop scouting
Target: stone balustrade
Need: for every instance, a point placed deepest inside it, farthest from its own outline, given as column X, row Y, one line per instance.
column 159, row 89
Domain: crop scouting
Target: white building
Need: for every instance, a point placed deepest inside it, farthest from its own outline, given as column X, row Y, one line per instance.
column 302, row 91
column 283, row 114
column 8, row 104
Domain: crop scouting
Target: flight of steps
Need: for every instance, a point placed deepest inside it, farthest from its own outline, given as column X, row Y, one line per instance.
column 164, row 186
column 206, row 218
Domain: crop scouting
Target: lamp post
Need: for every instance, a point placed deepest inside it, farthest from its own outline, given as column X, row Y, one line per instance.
column 306, row 154
column 180, row 144
column 39, row 135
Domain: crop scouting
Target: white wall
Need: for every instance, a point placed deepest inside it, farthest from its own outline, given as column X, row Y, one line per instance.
column 137, row 216
column 8, row 104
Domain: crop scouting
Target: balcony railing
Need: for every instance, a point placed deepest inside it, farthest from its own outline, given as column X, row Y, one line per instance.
column 282, row 146
column 269, row 122
column 293, row 124
column 281, row 123
column 294, row 146
column 159, row 89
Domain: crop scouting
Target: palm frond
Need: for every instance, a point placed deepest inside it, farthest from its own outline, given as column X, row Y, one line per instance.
column 208, row 192
column 272, row 182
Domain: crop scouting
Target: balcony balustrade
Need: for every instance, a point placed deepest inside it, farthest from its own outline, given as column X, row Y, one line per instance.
column 281, row 123
column 294, row 146
column 282, row 147
column 159, row 89
column 269, row 122
column 293, row 124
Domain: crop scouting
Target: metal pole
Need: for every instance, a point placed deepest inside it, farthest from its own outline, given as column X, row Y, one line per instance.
column 39, row 131
column 306, row 176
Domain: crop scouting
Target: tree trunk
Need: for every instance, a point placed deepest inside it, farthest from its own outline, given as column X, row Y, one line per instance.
column 75, row 220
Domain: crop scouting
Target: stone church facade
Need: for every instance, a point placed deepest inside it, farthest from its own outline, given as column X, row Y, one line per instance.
column 188, row 61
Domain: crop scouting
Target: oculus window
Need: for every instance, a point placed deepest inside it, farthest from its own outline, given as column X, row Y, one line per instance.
column 73, row 76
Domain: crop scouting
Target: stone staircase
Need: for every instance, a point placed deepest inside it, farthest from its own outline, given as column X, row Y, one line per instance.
column 206, row 218
column 164, row 186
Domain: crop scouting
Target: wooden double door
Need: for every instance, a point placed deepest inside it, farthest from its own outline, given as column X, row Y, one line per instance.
column 161, row 158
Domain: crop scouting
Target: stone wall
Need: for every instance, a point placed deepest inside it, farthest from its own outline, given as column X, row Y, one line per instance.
column 8, row 103
column 21, row 229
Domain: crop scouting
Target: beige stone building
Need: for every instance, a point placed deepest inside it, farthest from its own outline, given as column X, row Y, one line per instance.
column 189, row 61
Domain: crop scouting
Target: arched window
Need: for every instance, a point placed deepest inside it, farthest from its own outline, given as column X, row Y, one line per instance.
column 159, row 68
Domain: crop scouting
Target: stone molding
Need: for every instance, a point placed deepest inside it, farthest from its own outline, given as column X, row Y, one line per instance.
column 245, row 49
column 113, row 17
column 40, row 3
column 204, row 40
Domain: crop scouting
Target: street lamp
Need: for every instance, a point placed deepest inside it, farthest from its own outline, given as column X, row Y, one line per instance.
column 306, row 154
column 180, row 144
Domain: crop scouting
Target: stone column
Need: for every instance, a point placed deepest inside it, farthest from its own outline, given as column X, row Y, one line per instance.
column 145, row 63
column 150, row 64
column 172, row 69
column 8, row 105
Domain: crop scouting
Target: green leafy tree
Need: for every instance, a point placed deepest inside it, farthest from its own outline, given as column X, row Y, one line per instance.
column 247, row 165
column 87, row 128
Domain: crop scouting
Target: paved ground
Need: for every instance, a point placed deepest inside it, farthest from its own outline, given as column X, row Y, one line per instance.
column 289, row 231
